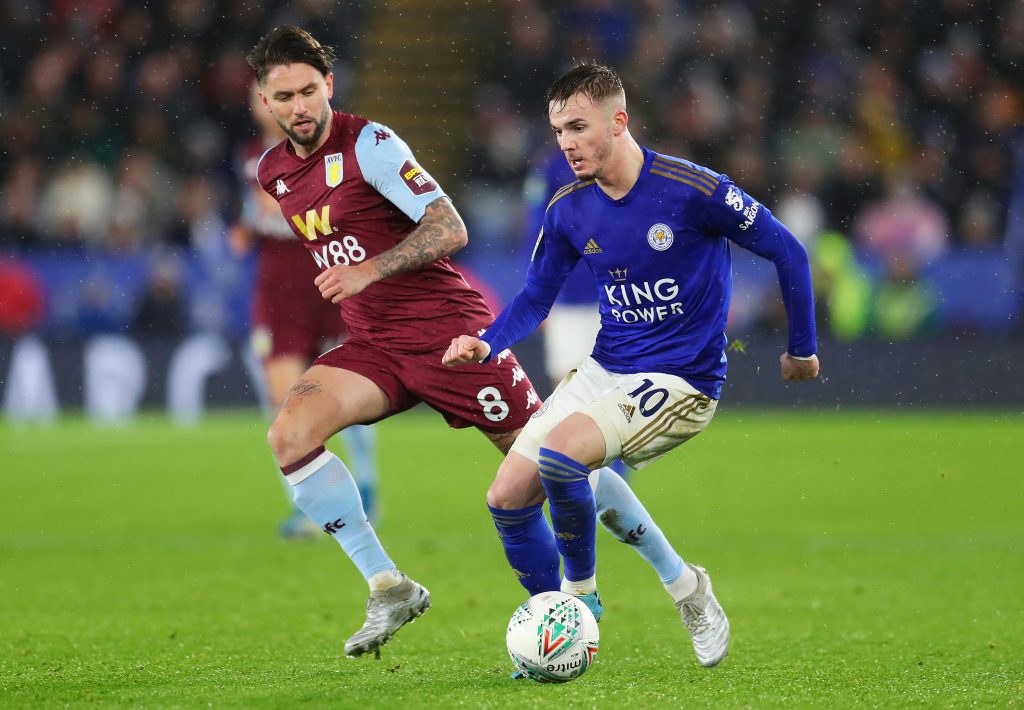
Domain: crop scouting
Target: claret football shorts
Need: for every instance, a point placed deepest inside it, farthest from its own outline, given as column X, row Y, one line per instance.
column 496, row 397
column 642, row 416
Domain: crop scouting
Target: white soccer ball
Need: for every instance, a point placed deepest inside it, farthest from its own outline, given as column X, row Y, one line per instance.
column 552, row 637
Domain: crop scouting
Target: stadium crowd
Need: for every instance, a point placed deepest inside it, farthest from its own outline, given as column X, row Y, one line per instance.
column 887, row 135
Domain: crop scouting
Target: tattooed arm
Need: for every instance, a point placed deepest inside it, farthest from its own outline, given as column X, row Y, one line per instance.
column 439, row 234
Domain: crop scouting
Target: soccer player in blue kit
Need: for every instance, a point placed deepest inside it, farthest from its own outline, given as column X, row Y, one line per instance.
column 655, row 230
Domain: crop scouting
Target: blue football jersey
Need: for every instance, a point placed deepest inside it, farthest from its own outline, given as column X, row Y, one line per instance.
column 542, row 183
column 661, row 258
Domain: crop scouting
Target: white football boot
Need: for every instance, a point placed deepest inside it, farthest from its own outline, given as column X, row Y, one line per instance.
column 703, row 617
column 387, row 611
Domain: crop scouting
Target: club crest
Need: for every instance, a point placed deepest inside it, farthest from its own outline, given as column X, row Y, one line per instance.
column 333, row 169
column 660, row 237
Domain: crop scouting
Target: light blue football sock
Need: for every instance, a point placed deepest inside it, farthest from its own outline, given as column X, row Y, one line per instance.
column 573, row 513
column 361, row 448
column 624, row 516
column 529, row 547
column 326, row 492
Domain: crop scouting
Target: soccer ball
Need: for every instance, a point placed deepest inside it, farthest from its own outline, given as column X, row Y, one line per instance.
column 552, row 637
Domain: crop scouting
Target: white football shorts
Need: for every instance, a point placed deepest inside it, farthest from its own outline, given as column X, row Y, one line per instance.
column 569, row 335
column 642, row 416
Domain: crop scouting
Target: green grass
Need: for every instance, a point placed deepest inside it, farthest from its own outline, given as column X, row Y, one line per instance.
column 865, row 560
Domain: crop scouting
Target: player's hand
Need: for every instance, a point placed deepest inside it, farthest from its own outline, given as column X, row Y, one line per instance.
column 465, row 349
column 794, row 370
column 340, row 282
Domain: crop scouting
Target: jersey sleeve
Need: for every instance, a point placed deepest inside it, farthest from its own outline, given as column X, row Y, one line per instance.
column 553, row 258
column 388, row 165
column 731, row 212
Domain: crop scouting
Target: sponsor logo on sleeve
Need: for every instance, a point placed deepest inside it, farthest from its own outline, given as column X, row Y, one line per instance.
column 660, row 237
column 417, row 179
column 333, row 164
column 734, row 199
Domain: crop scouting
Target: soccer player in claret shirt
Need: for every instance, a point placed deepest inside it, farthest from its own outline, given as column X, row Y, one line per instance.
column 655, row 230
column 291, row 324
column 381, row 230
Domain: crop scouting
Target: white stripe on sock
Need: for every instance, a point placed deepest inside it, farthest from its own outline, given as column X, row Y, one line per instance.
column 296, row 477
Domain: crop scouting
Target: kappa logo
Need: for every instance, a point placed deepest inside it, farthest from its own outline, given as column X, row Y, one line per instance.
column 628, row 410
column 381, row 136
column 592, row 248
column 281, row 188
column 334, row 169
column 660, row 237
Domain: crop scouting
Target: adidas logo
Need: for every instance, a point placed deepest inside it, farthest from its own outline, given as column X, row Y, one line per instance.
column 592, row 248
column 281, row 187
column 628, row 410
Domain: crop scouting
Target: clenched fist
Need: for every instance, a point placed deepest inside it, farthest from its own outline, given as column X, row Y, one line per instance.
column 465, row 349
column 794, row 370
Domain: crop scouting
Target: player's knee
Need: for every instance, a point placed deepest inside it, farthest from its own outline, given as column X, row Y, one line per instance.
column 507, row 495
column 499, row 496
column 589, row 451
column 287, row 441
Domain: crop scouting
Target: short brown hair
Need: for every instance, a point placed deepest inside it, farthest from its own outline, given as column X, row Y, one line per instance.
column 289, row 45
column 595, row 81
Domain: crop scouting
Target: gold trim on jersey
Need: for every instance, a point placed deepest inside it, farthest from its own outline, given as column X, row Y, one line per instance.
column 692, row 170
column 572, row 187
column 685, row 174
column 664, row 422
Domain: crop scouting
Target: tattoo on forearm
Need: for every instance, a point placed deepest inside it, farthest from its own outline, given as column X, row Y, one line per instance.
column 437, row 236
column 302, row 388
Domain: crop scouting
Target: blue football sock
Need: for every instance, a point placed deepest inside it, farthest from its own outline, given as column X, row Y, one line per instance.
column 573, row 512
column 625, row 517
column 325, row 491
column 361, row 446
column 529, row 547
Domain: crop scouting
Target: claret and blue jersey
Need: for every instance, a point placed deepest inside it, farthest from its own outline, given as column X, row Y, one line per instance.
column 661, row 258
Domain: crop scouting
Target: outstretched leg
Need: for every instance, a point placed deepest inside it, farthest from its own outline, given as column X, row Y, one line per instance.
column 323, row 401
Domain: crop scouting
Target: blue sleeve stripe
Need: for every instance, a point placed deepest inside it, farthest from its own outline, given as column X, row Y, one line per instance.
column 686, row 171
column 569, row 189
column 700, row 186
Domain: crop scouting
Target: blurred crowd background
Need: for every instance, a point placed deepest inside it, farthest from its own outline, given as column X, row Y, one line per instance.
column 885, row 133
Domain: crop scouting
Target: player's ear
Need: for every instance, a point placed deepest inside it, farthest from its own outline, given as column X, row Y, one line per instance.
column 263, row 99
column 330, row 85
column 620, row 120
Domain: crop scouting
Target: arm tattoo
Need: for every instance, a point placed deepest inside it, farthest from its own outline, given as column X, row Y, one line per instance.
column 439, row 234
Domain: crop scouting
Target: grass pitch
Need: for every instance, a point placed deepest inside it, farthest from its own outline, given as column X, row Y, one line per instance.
column 865, row 560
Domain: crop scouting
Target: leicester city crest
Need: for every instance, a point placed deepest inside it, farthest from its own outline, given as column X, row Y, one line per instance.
column 333, row 169
column 660, row 237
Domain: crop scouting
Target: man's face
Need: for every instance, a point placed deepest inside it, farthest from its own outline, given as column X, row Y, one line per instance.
column 584, row 131
column 299, row 96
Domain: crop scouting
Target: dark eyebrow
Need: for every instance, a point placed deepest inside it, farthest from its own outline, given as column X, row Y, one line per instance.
column 285, row 94
column 570, row 124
